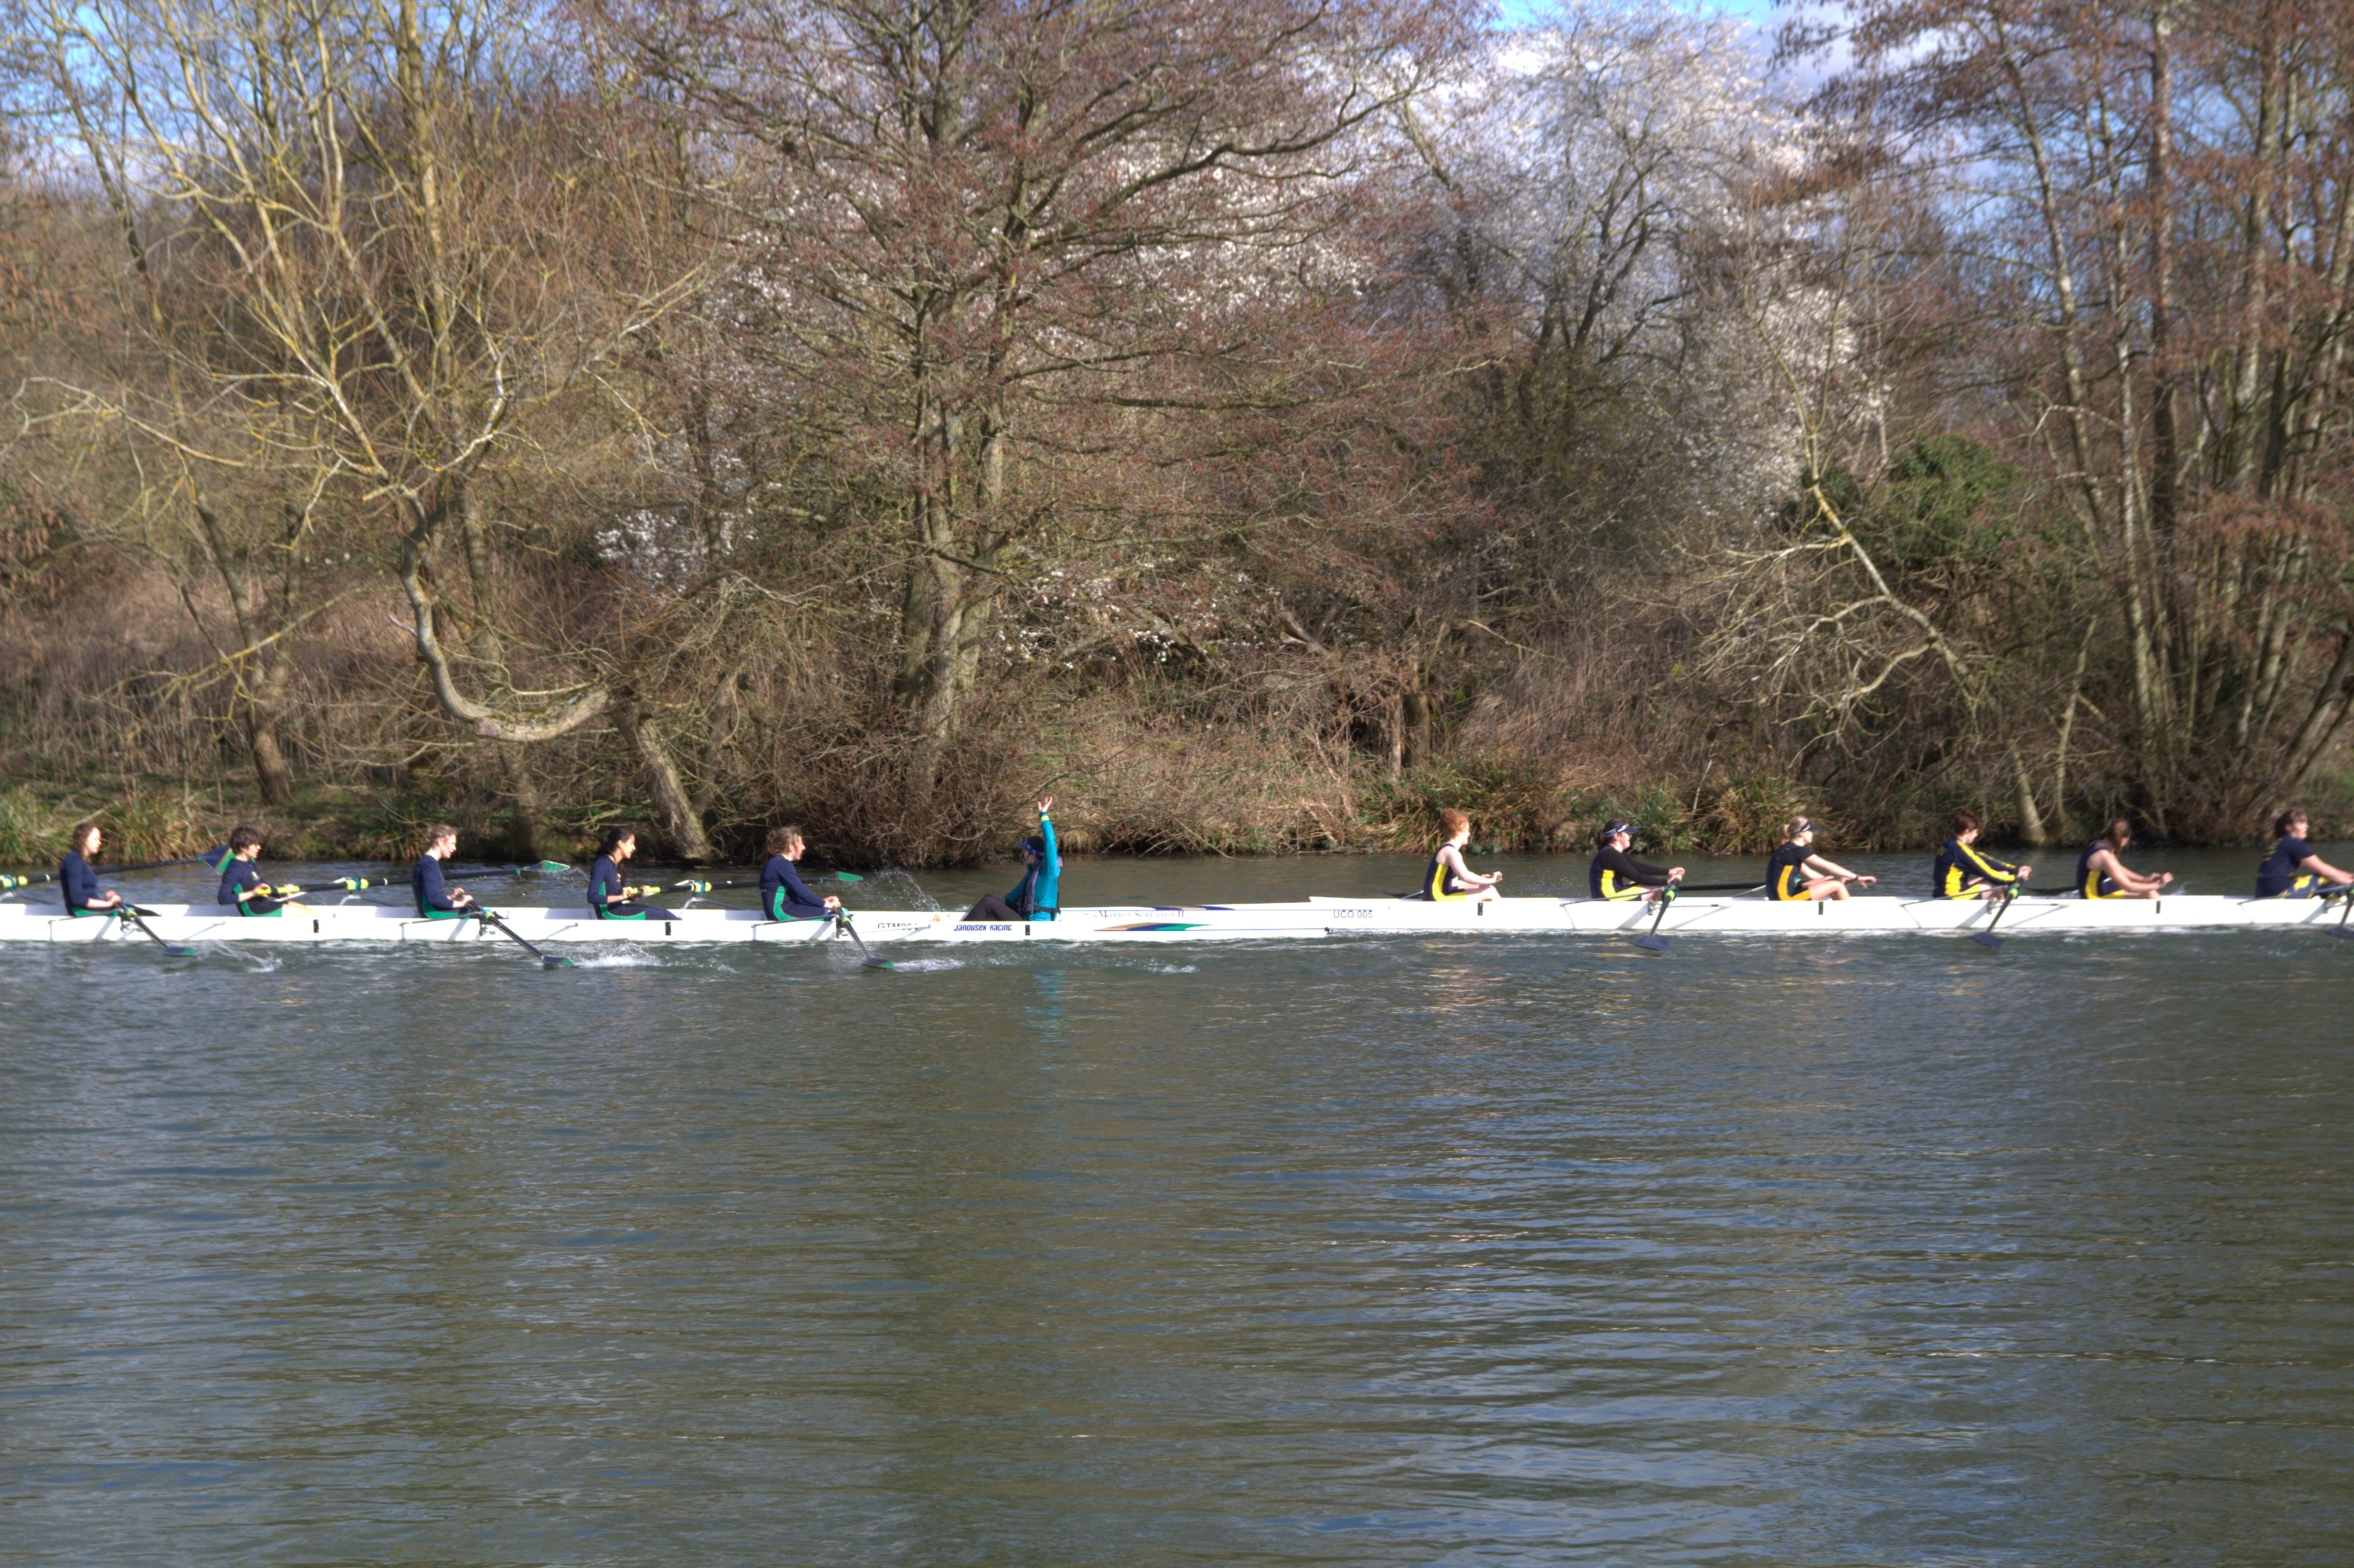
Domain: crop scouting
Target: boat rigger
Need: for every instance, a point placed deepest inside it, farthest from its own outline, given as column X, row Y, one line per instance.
column 1313, row 919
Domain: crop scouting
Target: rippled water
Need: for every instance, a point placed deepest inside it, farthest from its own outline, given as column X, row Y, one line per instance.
column 1502, row 1250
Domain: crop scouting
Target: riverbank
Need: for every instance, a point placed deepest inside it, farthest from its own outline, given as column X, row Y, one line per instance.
column 1143, row 801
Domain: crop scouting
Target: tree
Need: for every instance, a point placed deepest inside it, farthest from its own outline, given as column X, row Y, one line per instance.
column 1001, row 239
column 2154, row 207
column 375, row 248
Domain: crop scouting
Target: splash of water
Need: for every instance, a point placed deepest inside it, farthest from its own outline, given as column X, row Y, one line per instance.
column 903, row 886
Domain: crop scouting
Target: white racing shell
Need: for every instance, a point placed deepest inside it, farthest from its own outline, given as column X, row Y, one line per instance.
column 1313, row 918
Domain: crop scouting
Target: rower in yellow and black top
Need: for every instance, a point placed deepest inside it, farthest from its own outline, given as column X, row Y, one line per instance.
column 2291, row 869
column 1446, row 879
column 1796, row 873
column 2101, row 873
column 1963, row 871
column 1615, row 875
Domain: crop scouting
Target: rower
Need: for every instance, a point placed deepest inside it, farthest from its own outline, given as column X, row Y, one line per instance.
column 1446, row 880
column 1796, row 873
column 1616, row 876
column 1037, row 895
column 436, row 901
column 610, row 899
column 1965, row 872
column 75, row 878
column 784, row 895
column 2101, row 873
column 241, row 886
column 2291, row 870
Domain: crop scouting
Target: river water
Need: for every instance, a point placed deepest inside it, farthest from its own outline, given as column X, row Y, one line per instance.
column 1498, row 1250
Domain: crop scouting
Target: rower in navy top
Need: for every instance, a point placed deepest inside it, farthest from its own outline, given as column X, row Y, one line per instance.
column 241, row 886
column 2102, row 873
column 1795, row 872
column 783, row 895
column 1615, row 875
column 1038, row 896
column 435, row 899
column 2291, row 870
column 610, row 898
column 1963, row 871
column 75, row 878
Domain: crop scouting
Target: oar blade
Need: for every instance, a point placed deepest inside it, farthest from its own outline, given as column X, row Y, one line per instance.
column 1652, row 944
column 1987, row 940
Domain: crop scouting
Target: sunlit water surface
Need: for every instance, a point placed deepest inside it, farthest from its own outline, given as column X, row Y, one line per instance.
column 1498, row 1250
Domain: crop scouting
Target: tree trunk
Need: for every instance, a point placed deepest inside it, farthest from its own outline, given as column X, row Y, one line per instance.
column 527, row 836
column 1413, row 714
column 2030, row 821
column 670, row 804
column 269, row 770
column 262, row 632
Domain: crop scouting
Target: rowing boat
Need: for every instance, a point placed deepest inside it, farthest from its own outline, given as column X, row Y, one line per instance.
column 1314, row 917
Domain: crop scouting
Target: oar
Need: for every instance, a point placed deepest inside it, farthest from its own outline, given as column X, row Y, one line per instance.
column 842, row 923
column 722, row 887
column 1723, row 886
column 1987, row 938
column 360, row 884
column 131, row 912
column 27, row 879
column 543, row 866
column 2345, row 894
column 154, row 864
column 1651, row 940
column 494, row 917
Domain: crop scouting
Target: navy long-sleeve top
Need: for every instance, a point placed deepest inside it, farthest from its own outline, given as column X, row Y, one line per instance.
column 606, row 885
column 783, row 895
column 425, row 882
column 240, row 877
column 77, row 882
